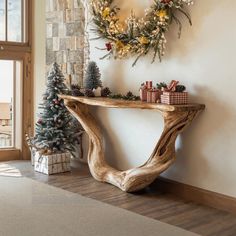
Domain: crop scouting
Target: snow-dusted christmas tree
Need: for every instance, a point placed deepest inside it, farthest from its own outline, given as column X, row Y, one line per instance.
column 92, row 76
column 56, row 130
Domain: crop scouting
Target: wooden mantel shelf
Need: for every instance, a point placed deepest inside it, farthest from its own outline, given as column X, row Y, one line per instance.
column 176, row 119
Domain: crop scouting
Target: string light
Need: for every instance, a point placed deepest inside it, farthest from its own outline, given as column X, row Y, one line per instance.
column 137, row 35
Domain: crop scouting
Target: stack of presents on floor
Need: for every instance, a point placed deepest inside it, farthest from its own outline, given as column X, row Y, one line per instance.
column 172, row 94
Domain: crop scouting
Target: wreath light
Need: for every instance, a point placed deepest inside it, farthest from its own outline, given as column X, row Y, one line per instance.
column 137, row 36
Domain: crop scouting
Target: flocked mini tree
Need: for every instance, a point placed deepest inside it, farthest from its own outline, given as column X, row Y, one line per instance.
column 93, row 76
column 56, row 130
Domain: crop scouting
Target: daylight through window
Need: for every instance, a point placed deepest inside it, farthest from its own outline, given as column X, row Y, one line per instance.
column 12, row 20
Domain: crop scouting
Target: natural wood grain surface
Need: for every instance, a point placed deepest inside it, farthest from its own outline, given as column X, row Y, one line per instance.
column 150, row 202
column 198, row 195
column 176, row 119
column 119, row 103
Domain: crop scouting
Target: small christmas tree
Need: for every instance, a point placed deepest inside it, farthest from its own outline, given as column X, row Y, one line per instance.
column 55, row 128
column 93, row 76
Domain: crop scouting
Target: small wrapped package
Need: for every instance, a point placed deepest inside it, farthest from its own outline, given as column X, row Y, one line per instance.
column 153, row 95
column 174, row 98
column 143, row 92
column 52, row 164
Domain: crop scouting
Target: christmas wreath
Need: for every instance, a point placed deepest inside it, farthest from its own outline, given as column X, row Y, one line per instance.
column 137, row 36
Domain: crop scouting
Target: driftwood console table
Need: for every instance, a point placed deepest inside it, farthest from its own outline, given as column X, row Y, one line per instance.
column 176, row 118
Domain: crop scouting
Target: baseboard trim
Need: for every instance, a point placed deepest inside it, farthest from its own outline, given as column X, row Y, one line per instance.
column 198, row 195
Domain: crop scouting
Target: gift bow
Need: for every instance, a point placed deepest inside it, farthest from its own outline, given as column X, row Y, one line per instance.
column 172, row 86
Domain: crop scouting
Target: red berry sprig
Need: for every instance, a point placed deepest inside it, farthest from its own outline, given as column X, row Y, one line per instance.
column 108, row 46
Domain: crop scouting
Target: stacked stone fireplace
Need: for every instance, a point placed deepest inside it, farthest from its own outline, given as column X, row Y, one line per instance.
column 66, row 42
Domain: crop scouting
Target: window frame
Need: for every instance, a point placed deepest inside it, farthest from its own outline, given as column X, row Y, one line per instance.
column 22, row 51
column 26, row 30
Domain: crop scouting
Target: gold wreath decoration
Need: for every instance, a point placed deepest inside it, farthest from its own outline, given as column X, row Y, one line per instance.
column 137, row 36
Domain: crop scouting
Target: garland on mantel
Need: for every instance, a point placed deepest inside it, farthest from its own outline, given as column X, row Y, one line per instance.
column 137, row 36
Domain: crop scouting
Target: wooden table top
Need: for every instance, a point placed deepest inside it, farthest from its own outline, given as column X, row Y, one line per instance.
column 120, row 103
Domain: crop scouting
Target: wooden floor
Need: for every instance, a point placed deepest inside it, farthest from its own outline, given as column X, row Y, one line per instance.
column 150, row 202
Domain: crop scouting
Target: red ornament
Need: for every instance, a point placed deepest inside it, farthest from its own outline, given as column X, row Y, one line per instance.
column 108, row 46
column 40, row 121
column 56, row 102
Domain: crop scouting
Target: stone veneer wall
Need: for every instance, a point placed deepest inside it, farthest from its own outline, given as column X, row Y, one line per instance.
column 66, row 43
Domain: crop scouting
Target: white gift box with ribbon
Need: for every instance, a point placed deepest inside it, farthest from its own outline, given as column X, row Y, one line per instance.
column 52, row 164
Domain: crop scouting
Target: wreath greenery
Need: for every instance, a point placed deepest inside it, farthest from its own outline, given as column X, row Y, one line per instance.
column 137, row 36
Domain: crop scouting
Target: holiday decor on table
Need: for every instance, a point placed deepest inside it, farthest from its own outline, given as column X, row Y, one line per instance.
column 161, row 86
column 149, row 93
column 76, row 90
column 89, row 93
column 137, row 36
column 153, row 95
column 105, row 92
column 174, row 94
column 93, row 76
column 129, row 96
column 143, row 92
column 149, row 84
column 97, row 92
column 56, row 130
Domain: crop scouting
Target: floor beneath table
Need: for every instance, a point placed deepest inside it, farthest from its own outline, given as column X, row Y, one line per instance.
column 150, row 202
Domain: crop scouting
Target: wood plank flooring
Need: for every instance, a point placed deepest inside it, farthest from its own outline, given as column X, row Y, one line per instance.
column 150, row 202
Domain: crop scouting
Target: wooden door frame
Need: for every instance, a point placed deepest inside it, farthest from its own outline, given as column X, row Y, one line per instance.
column 22, row 52
column 27, row 106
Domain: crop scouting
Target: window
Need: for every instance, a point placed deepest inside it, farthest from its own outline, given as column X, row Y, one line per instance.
column 9, row 79
column 15, row 77
column 13, row 21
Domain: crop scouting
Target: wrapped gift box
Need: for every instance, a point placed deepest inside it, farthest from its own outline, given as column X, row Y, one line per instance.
column 143, row 93
column 153, row 95
column 52, row 164
column 33, row 153
column 174, row 98
column 149, row 84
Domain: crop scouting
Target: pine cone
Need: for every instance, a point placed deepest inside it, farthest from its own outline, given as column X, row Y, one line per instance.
column 129, row 95
column 105, row 92
column 180, row 88
column 75, row 86
column 75, row 90
column 76, row 93
column 89, row 93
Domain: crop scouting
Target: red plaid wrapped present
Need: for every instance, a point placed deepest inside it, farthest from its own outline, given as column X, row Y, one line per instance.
column 153, row 95
column 143, row 93
column 149, row 84
column 174, row 98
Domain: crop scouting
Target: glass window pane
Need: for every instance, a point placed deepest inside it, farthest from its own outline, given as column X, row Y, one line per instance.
column 6, row 103
column 2, row 20
column 14, row 20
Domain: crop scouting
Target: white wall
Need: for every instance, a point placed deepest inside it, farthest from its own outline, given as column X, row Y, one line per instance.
column 204, row 60
column 39, row 50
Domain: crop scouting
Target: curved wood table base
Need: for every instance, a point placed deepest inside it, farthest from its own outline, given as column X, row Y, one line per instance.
column 176, row 119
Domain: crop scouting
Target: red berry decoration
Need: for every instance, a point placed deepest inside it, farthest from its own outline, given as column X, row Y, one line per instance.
column 108, row 46
column 40, row 121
